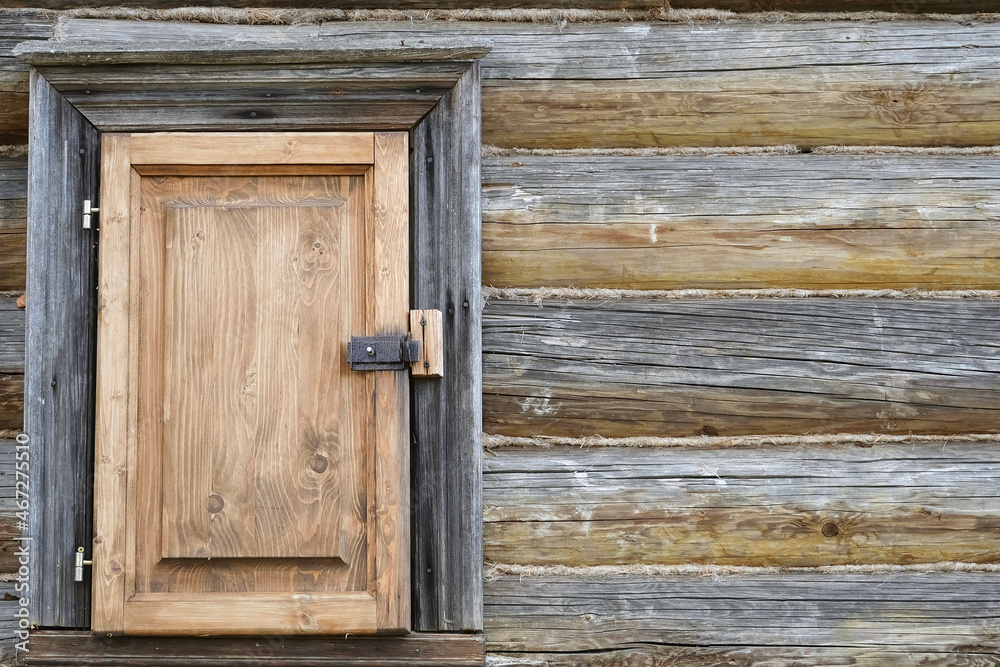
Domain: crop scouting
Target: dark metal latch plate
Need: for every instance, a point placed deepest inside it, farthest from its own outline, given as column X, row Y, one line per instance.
column 382, row 353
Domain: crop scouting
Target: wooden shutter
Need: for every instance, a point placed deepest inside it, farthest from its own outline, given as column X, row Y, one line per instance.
column 246, row 481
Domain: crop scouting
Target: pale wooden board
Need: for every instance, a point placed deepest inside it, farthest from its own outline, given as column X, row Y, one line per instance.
column 795, row 506
column 636, row 84
column 798, row 221
column 112, row 440
column 257, row 148
column 390, row 289
column 930, row 612
column 427, row 328
column 740, row 366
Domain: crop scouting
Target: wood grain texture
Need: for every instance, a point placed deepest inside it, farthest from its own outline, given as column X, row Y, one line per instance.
column 943, row 612
column 115, row 367
column 796, row 221
column 447, row 412
column 638, row 84
column 730, row 367
column 802, row 506
column 422, row 650
column 270, row 148
column 427, row 328
column 253, row 448
column 12, row 320
column 760, row 656
column 664, row 84
column 61, row 334
column 389, row 288
column 13, row 221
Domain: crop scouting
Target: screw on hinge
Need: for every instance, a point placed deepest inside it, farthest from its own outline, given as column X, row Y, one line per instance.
column 78, row 565
column 87, row 211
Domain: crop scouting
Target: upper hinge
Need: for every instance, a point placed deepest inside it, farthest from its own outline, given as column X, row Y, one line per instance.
column 88, row 211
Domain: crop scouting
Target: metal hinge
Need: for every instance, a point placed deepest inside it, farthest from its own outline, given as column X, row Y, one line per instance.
column 382, row 353
column 88, row 210
column 79, row 563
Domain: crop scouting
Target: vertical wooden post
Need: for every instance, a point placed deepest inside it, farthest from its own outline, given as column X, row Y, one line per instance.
column 59, row 370
column 447, row 425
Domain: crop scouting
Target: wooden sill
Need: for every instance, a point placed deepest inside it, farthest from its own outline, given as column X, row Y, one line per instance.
column 61, row 647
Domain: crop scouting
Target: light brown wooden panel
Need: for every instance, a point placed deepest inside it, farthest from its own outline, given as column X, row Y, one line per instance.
column 242, row 292
column 259, row 148
column 940, row 612
column 803, row 506
column 750, row 221
column 219, row 251
column 740, row 366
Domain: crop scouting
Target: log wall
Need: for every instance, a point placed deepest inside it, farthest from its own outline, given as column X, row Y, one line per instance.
column 618, row 555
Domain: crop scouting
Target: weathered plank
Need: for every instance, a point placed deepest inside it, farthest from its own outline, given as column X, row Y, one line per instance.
column 11, row 400
column 783, row 506
column 447, row 411
column 61, row 320
column 662, row 655
column 934, row 613
column 741, row 366
column 802, row 221
column 83, row 648
column 11, row 336
column 641, row 84
column 16, row 26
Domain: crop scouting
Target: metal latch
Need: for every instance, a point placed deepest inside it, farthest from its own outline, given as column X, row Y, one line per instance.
column 382, row 353
column 78, row 565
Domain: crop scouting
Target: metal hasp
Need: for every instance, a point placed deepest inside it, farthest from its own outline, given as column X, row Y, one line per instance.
column 382, row 353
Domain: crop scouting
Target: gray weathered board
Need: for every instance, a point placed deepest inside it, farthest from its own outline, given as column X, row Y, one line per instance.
column 790, row 506
column 61, row 338
column 445, row 273
column 739, row 366
column 742, row 221
column 668, row 84
column 447, row 426
column 13, row 221
column 957, row 612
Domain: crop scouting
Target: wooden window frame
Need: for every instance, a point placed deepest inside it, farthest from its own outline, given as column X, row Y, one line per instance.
column 68, row 115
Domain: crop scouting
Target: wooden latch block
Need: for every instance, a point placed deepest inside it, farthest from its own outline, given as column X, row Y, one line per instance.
column 427, row 326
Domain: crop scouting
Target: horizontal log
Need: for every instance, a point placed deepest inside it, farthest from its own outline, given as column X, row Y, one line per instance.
column 639, row 84
column 749, row 221
column 784, row 506
column 741, row 366
column 13, row 250
column 936, row 6
column 934, row 612
column 11, row 400
column 11, row 336
column 755, row 656
column 63, row 647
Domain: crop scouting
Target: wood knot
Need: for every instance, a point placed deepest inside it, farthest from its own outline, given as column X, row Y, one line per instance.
column 215, row 503
column 318, row 463
column 830, row 529
column 708, row 430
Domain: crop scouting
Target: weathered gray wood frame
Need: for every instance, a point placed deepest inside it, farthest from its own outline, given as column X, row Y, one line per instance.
column 444, row 123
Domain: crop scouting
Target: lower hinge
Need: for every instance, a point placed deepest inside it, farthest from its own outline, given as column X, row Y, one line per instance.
column 79, row 563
